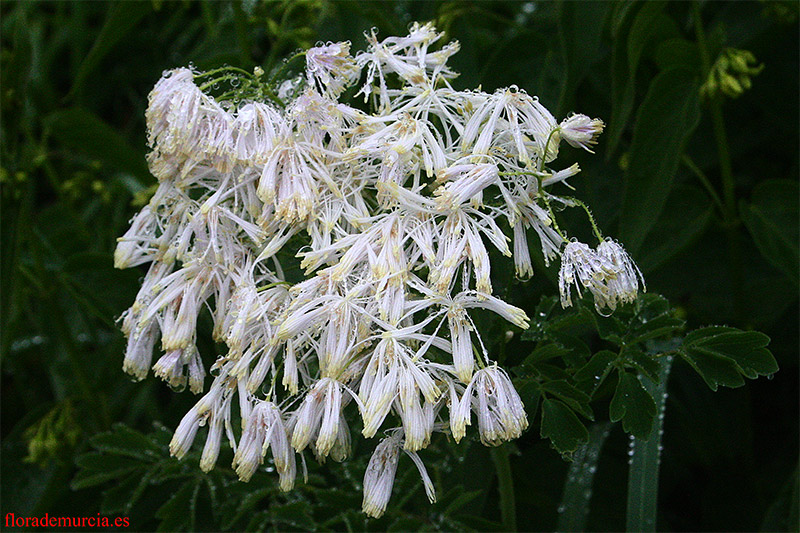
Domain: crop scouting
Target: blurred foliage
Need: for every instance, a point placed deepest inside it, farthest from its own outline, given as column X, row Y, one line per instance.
column 702, row 191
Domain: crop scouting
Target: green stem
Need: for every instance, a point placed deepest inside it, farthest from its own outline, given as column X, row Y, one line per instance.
column 645, row 460
column 215, row 81
column 595, row 228
column 686, row 160
column 720, row 135
column 284, row 66
column 505, row 482
column 574, row 508
column 226, row 68
column 728, row 186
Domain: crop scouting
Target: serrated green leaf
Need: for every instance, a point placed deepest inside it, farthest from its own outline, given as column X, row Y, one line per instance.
column 545, row 353
column 567, row 393
column 562, row 427
column 609, row 328
column 666, row 119
column 715, row 369
column 772, row 219
column 177, row 514
column 296, row 514
column 633, row 405
column 120, row 498
column 96, row 468
column 122, row 440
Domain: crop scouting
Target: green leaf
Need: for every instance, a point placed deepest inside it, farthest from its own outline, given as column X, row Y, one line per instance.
column 562, row 427
column 121, row 19
column 771, row 217
column 545, row 353
column 580, row 29
column 567, row 393
column 463, row 498
column 120, row 498
column 595, row 371
column 713, row 368
column 648, row 24
column 122, row 440
column 97, row 468
column 744, row 351
column 678, row 52
column 667, row 118
column 295, row 514
column 82, row 131
column 644, row 363
column 178, row 513
column 530, row 394
column 685, row 217
column 633, row 405
column 610, row 328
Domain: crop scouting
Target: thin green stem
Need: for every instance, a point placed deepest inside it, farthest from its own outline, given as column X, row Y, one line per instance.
column 553, row 217
column 728, row 186
column 718, row 122
column 226, row 68
column 285, row 65
column 211, row 83
column 574, row 508
column 686, row 160
column 505, row 482
column 592, row 221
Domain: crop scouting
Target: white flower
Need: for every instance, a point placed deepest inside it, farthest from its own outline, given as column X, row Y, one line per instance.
column 331, row 67
column 263, row 429
column 608, row 273
column 379, row 476
column 380, row 473
column 384, row 221
column 581, row 131
column 625, row 284
column 501, row 415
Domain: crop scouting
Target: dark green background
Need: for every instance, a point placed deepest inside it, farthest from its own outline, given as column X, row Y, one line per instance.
column 74, row 84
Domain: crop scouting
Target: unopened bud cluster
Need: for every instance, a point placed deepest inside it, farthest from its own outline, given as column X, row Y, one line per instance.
column 730, row 74
column 394, row 211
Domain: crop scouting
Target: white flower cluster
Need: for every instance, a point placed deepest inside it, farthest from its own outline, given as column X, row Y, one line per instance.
column 394, row 210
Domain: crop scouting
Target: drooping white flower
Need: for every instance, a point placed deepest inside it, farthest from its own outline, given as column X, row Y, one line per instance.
column 263, row 429
column 607, row 272
column 379, row 476
column 501, row 415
